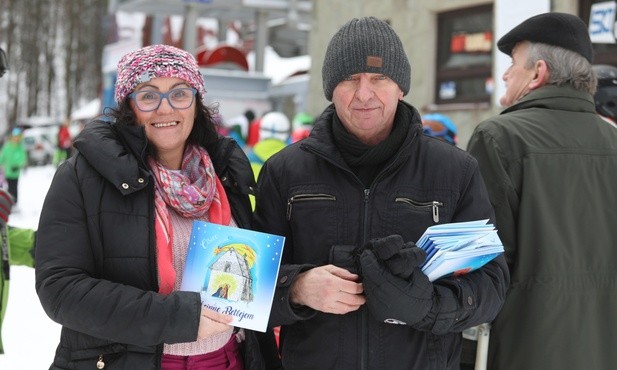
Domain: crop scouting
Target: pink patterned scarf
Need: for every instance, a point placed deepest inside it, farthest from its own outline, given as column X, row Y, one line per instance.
column 194, row 192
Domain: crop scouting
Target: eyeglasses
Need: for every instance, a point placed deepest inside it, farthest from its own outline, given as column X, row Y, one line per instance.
column 147, row 101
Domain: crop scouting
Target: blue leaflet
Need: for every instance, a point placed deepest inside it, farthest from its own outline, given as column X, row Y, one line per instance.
column 458, row 248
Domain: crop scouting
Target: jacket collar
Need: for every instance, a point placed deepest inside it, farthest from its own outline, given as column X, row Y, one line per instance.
column 556, row 97
column 104, row 145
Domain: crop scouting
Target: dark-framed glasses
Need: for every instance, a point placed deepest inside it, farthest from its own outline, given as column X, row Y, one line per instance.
column 147, row 101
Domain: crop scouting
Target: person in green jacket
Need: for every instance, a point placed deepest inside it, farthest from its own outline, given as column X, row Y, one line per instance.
column 550, row 165
column 13, row 157
column 17, row 246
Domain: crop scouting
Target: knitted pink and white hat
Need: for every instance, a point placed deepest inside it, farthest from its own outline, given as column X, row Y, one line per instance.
column 153, row 61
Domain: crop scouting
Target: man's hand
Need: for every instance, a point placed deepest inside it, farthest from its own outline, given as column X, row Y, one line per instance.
column 328, row 289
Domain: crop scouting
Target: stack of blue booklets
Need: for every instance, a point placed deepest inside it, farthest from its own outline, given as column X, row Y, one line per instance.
column 458, row 248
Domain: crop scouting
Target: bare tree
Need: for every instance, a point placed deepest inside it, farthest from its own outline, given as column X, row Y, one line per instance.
column 54, row 48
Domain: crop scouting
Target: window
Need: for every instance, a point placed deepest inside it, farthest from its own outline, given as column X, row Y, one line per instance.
column 464, row 56
column 602, row 30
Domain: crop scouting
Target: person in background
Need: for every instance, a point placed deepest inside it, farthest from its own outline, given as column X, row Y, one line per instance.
column 65, row 142
column 253, row 134
column 550, row 165
column 302, row 124
column 274, row 131
column 351, row 200
column 115, row 225
column 606, row 94
column 439, row 126
column 13, row 158
column 4, row 64
column 16, row 248
column 273, row 136
column 238, row 127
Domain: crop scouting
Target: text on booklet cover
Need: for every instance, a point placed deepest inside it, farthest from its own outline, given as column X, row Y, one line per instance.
column 235, row 271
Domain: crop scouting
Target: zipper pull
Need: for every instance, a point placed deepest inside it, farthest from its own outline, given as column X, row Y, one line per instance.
column 289, row 203
column 100, row 364
column 435, row 211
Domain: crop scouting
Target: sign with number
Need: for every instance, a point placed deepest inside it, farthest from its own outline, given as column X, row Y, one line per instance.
column 602, row 23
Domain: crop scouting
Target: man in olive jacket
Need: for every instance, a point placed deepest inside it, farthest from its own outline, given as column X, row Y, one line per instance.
column 550, row 165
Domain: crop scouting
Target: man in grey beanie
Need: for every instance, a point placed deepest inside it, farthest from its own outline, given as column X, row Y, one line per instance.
column 351, row 200
column 550, row 164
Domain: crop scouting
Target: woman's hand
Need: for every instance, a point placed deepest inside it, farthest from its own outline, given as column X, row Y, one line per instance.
column 211, row 323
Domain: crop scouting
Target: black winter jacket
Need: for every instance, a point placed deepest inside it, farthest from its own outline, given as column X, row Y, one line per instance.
column 308, row 194
column 96, row 270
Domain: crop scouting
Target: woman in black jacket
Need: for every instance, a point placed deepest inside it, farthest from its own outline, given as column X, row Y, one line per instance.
column 115, row 226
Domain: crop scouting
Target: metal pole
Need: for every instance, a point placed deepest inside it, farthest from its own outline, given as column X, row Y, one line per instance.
column 261, row 39
column 190, row 28
column 484, row 331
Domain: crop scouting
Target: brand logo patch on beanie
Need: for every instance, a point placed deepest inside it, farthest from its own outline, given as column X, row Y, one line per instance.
column 372, row 61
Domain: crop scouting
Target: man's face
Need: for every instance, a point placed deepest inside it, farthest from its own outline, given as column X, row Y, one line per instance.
column 366, row 104
column 517, row 77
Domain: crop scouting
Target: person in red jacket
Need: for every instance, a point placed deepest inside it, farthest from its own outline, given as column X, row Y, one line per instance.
column 65, row 143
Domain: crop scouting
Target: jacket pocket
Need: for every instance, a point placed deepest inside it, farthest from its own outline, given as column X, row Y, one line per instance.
column 410, row 213
column 96, row 358
column 432, row 206
column 314, row 217
column 303, row 198
column 113, row 356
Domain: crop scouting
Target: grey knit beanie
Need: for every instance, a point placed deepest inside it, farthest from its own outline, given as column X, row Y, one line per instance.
column 365, row 45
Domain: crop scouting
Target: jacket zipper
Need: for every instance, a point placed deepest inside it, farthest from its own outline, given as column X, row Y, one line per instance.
column 364, row 313
column 305, row 198
column 100, row 364
column 434, row 204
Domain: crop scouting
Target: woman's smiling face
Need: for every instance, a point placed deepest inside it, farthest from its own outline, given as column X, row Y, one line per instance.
column 167, row 128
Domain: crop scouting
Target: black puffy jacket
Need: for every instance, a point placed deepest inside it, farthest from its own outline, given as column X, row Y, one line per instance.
column 96, row 271
column 308, row 194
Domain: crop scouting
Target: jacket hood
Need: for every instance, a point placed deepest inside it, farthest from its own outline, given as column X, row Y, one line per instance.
column 104, row 144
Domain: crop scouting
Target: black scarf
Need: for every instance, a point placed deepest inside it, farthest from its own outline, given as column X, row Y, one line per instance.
column 364, row 160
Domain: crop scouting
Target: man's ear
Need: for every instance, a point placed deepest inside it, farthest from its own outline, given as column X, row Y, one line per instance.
column 540, row 75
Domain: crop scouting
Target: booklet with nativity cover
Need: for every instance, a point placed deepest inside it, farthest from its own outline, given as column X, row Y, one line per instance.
column 458, row 248
column 235, row 271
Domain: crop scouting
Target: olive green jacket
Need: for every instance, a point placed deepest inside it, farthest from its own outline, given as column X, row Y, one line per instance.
column 550, row 166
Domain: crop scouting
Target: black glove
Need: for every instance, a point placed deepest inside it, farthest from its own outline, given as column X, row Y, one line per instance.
column 399, row 257
column 387, row 247
column 390, row 298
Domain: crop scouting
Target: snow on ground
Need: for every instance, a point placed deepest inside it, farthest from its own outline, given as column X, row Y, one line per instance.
column 29, row 336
